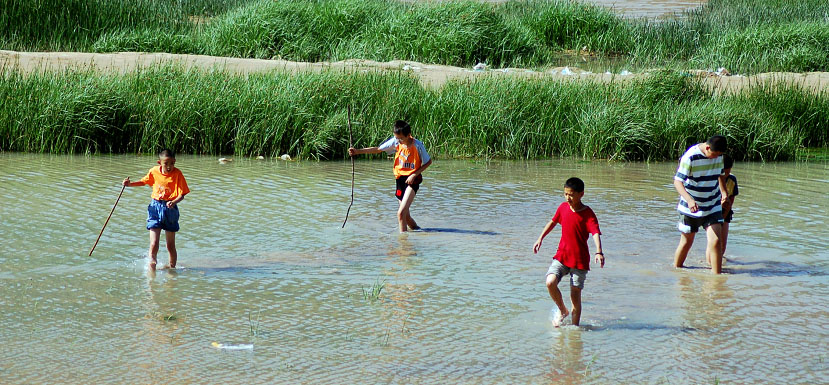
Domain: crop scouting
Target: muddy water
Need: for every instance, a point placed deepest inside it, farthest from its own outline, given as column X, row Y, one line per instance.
column 263, row 261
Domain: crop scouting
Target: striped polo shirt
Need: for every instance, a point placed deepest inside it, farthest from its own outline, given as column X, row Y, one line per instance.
column 700, row 176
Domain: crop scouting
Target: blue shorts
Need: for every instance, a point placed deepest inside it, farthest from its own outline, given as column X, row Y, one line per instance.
column 161, row 217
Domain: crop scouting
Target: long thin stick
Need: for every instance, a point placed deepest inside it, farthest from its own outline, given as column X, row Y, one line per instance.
column 350, row 144
column 105, row 223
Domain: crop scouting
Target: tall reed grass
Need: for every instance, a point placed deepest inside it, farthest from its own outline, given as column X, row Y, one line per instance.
column 67, row 25
column 742, row 35
column 305, row 115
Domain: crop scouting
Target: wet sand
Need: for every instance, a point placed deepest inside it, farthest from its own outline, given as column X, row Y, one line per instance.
column 431, row 75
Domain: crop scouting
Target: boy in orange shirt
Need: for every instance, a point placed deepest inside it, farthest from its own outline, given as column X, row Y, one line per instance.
column 169, row 188
column 410, row 160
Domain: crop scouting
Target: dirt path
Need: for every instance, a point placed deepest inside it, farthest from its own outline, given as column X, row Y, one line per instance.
column 429, row 74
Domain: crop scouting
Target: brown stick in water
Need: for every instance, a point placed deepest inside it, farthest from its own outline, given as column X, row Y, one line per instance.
column 107, row 221
column 350, row 144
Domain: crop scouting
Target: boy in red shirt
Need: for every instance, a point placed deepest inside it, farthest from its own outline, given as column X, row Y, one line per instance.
column 169, row 188
column 573, row 257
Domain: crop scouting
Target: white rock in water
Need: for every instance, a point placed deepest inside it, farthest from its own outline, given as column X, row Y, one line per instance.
column 285, row 157
column 260, row 157
column 225, row 160
column 479, row 67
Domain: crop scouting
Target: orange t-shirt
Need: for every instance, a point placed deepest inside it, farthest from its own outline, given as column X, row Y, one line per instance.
column 407, row 159
column 166, row 187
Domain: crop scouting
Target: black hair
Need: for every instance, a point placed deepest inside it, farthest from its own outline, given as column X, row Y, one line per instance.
column 728, row 161
column 718, row 143
column 575, row 184
column 166, row 153
column 402, row 128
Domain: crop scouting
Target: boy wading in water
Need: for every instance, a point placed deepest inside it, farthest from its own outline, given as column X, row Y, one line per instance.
column 700, row 182
column 169, row 188
column 573, row 256
column 410, row 160
column 727, row 207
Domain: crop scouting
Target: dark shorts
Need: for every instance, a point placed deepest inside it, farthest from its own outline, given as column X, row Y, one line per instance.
column 729, row 217
column 689, row 225
column 161, row 217
column 401, row 186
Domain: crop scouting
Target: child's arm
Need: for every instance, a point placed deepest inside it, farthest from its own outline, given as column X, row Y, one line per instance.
column 544, row 233
column 680, row 188
column 417, row 172
column 722, row 179
column 132, row 184
column 368, row 150
column 597, row 239
column 174, row 202
column 727, row 205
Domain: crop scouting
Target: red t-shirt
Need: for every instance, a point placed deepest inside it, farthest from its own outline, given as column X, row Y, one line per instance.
column 575, row 229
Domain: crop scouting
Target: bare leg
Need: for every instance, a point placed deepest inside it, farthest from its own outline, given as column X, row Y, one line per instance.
column 575, row 298
column 555, row 294
column 685, row 243
column 714, row 247
column 171, row 247
column 403, row 216
column 411, row 222
column 155, row 234
column 724, row 237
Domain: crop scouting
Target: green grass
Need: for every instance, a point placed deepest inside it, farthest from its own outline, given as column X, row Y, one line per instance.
column 77, row 24
column 304, row 115
column 253, row 326
column 742, row 35
column 372, row 293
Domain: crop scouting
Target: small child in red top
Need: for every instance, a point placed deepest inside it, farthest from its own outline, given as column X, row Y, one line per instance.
column 573, row 256
column 169, row 188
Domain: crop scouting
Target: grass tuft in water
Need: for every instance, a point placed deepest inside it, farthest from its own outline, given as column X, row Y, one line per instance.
column 253, row 326
column 372, row 293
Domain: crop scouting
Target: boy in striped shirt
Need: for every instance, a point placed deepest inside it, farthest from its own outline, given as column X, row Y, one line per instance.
column 700, row 182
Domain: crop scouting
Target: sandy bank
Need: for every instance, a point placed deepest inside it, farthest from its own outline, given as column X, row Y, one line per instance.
column 429, row 74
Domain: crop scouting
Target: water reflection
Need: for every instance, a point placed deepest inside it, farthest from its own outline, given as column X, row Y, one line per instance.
column 568, row 365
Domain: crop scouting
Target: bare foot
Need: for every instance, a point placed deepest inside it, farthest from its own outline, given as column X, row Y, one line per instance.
column 152, row 264
column 559, row 317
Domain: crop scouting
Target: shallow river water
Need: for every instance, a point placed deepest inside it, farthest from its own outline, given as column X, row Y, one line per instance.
column 265, row 267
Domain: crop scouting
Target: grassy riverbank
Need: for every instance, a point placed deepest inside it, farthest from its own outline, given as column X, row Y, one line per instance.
column 741, row 35
column 305, row 114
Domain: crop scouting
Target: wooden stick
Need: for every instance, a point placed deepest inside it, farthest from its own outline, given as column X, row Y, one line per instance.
column 107, row 221
column 350, row 144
